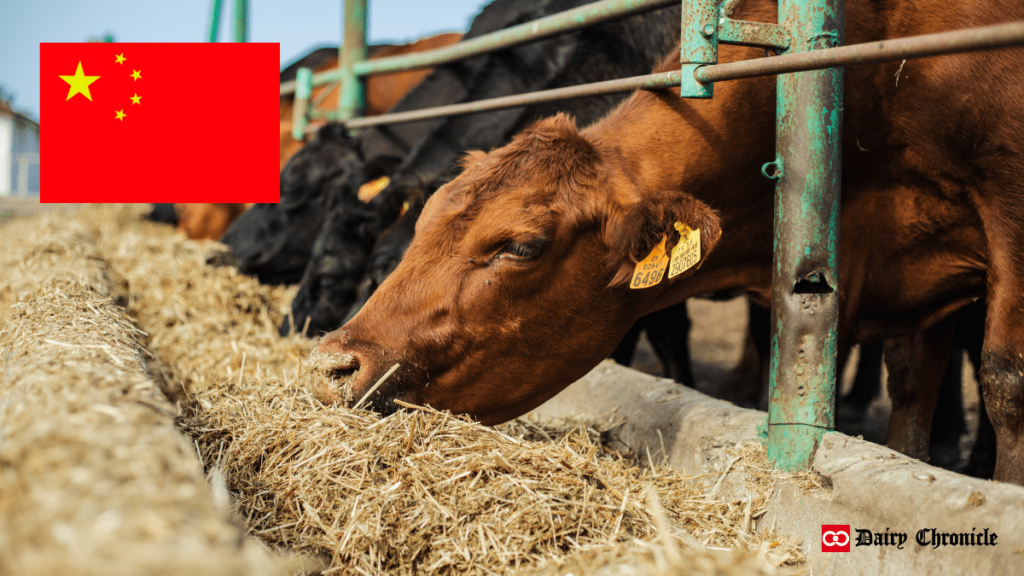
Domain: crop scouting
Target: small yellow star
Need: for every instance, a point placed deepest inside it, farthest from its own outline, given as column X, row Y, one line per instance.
column 136, row 74
column 120, row 58
column 136, row 98
column 79, row 83
column 120, row 115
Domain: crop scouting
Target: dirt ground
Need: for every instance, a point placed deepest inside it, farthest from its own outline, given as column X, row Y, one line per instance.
column 716, row 345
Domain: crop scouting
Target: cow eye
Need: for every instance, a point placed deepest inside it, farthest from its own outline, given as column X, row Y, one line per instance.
column 523, row 250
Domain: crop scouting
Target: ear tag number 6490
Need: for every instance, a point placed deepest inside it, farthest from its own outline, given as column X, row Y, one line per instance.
column 651, row 270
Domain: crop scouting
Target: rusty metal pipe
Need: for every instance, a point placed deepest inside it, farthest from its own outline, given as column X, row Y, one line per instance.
column 972, row 39
column 650, row 82
column 969, row 40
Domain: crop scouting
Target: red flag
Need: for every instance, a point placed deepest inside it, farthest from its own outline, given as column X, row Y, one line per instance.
column 159, row 122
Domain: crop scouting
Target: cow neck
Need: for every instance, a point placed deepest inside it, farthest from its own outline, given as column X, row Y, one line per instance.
column 712, row 150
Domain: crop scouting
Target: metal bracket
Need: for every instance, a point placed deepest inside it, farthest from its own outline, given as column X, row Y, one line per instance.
column 756, row 34
column 704, row 27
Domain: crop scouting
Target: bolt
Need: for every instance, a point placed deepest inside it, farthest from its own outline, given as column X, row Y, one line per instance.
column 799, row 369
column 708, row 29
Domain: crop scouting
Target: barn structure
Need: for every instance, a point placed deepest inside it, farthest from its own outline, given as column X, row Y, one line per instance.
column 19, row 153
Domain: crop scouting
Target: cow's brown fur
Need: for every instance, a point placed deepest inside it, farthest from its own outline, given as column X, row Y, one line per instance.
column 932, row 216
column 207, row 221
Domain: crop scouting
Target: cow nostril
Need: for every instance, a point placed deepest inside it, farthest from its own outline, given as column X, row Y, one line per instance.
column 341, row 379
column 333, row 376
column 336, row 385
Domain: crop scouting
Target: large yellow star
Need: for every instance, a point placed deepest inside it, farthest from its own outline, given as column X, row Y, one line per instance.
column 79, row 83
column 136, row 74
column 136, row 98
column 120, row 58
column 120, row 115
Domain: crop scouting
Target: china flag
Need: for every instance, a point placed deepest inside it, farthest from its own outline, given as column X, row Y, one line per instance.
column 159, row 122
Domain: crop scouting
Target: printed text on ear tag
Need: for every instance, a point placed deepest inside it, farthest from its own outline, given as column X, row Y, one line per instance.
column 650, row 270
column 686, row 252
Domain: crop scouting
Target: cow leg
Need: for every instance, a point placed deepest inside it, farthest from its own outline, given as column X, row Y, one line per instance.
column 970, row 334
column 1002, row 376
column 868, row 381
column 916, row 364
column 948, row 423
column 669, row 333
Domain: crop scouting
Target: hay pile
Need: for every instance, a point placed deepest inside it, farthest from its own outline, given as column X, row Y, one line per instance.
column 418, row 491
column 94, row 478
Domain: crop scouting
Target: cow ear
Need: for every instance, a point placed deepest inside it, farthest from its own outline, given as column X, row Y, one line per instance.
column 637, row 229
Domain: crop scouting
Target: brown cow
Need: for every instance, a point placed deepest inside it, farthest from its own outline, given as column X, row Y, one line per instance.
column 207, row 221
column 514, row 284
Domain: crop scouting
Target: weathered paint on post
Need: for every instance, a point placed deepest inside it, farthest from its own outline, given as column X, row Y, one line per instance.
column 214, row 21
column 352, row 99
column 300, row 106
column 809, row 120
column 241, row 20
column 698, row 45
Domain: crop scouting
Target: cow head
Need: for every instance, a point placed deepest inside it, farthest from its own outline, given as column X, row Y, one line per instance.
column 345, row 251
column 273, row 241
column 516, row 282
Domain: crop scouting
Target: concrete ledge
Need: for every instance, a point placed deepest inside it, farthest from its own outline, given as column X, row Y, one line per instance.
column 873, row 488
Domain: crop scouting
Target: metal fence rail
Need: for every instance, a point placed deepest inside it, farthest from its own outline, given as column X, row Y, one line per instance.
column 807, row 169
column 974, row 39
column 561, row 23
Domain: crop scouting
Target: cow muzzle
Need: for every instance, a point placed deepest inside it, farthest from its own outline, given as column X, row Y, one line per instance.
column 360, row 374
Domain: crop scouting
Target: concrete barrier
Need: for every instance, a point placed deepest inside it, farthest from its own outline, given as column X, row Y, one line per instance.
column 873, row 489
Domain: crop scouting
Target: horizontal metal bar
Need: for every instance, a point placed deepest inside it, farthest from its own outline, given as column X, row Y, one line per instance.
column 972, row 39
column 969, row 40
column 650, row 82
column 560, row 23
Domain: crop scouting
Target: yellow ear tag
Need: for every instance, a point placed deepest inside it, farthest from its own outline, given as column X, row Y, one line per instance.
column 686, row 252
column 372, row 188
column 650, row 270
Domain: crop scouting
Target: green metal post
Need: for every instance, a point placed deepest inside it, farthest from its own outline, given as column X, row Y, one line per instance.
column 809, row 120
column 214, row 21
column 300, row 106
column 241, row 20
column 698, row 45
column 352, row 99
